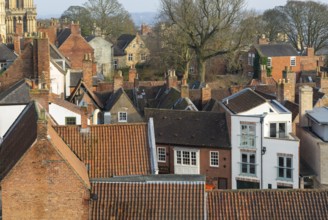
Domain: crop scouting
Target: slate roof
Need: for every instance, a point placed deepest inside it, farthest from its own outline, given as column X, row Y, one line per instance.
column 242, row 101
column 124, row 40
column 113, row 99
column 276, row 50
column 12, row 147
column 16, row 94
column 6, row 53
column 55, row 54
column 110, row 150
column 267, row 204
column 153, row 200
column 75, row 77
column 292, row 107
column 189, row 128
column 62, row 36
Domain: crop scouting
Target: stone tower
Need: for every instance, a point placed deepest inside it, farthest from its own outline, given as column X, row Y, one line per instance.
column 2, row 21
column 20, row 11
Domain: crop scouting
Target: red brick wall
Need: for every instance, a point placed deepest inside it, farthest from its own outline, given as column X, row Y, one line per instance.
column 279, row 64
column 42, row 186
column 74, row 48
column 212, row 173
column 21, row 68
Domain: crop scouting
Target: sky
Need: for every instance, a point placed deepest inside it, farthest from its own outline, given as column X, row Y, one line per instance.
column 50, row 8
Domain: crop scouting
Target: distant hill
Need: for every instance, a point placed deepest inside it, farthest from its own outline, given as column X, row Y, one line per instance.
column 144, row 17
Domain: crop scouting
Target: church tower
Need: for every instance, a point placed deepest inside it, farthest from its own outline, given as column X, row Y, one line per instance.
column 20, row 11
column 2, row 21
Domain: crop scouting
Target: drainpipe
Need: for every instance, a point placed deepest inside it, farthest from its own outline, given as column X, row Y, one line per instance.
column 261, row 122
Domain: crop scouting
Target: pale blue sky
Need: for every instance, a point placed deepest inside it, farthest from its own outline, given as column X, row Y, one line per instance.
column 57, row 7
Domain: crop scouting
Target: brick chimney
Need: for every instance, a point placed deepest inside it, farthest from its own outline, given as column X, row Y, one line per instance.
column 285, row 91
column 206, row 94
column 289, row 74
column 75, row 28
column 184, row 89
column 305, row 104
column 322, row 82
column 310, row 52
column 263, row 40
column 42, row 125
column 263, row 76
column 41, row 96
column 87, row 67
column 118, row 81
column 84, row 119
column 172, row 79
column 132, row 73
column 27, row 40
column 19, row 28
column 17, row 44
column 41, row 59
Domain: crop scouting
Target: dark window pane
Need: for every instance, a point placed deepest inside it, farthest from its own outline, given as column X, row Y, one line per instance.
column 282, row 129
column 273, row 130
column 252, row 158
column 252, row 169
column 281, row 162
column 281, row 172
column 289, row 162
column 244, row 168
column 244, row 158
column 289, row 173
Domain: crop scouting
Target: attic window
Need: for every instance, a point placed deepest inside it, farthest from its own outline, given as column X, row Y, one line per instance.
column 70, row 120
column 269, row 62
column 122, row 117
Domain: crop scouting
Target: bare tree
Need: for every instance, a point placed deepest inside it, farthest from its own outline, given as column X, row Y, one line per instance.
column 304, row 23
column 208, row 24
column 110, row 16
column 81, row 14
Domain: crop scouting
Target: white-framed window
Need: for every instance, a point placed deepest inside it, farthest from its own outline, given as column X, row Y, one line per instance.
column 248, row 164
column 70, row 120
column 184, row 157
column 292, row 61
column 278, row 129
column 122, row 116
column 161, row 154
column 247, row 137
column 251, row 57
column 130, row 57
column 285, row 168
column 214, row 158
column 269, row 62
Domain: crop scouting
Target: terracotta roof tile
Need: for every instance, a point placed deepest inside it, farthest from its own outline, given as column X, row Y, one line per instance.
column 148, row 200
column 110, row 150
column 267, row 204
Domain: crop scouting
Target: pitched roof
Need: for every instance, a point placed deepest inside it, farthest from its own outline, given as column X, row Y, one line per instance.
column 276, row 50
column 155, row 199
column 113, row 99
column 189, row 128
column 110, row 150
column 267, row 204
column 87, row 91
column 292, row 107
column 169, row 98
column 16, row 94
column 242, row 101
column 75, row 77
column 12, row 147
column 62, row 36
column 124, row 40
column 6, row 53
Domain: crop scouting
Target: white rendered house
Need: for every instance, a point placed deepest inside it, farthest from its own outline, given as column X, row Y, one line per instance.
column 264, row 152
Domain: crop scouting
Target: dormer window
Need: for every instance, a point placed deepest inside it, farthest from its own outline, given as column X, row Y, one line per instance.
column 278, row 129
column 122, row 117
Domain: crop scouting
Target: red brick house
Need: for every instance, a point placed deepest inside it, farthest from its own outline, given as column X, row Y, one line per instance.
column 73, row 46
column 277, row 57
column 192, row 142
column 41, row 178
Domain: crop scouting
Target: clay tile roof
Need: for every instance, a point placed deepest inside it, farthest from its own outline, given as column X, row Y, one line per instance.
column 110, row 150
column 276, row 50
column 12, row 147
column 16, row 94
column 189, row 128
column 152, row 200
column 77, row 166
column 267, row 204
column 242, row 101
